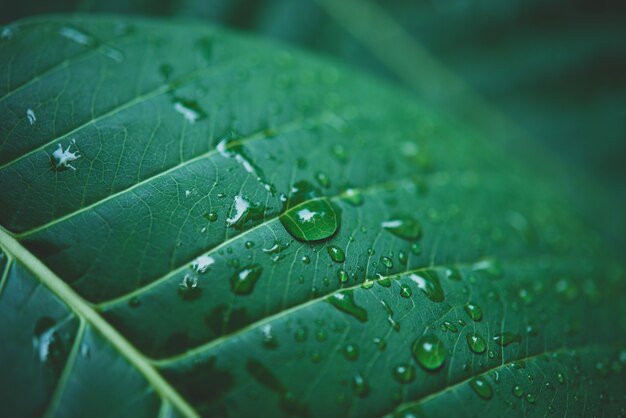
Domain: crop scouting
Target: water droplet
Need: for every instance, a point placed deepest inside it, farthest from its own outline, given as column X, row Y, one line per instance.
column 416, row 248
column 201, row 264
column 76, row 35
column 428, row 282
column 392, row 322
column 211, row 216
column 113, row 53
column 322, row 179
column 560, row 378
column 306, row 259
column 353, row 197
column 449, row 326
column 476, row 342
column 429, row 352
column 404, row 227
column 188, row 287
column 380, row 343
column 473, row 311
column 269, row 338
column 314, row 220
column 242, row 282
column 481, row 387
column 134, row 302
column 404, row 373
column 405, row 291
column 30, row 115
column 301, row 334
column 244, row 212
column 505, row 338
column 351, row 352
column 85, row 351
column 387, row 262
column 360, row 386
column 190, row 109
column 336, row 254
column 61, row 159
column 453, row 274
column 342, row 276
column 490, row 267
column 231, row 148
column 518, row 391
column 530, row 398
column 344, row 301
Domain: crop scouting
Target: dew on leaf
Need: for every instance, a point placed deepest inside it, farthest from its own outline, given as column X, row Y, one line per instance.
column 342, row 276
column 353, row 197
column 351, row 352
column 76, row 35
column 387, row 262
column 242, row 282
column 404, row 373
column 429, row 352
column 405, row 291
column 244, row 212
column 336, row 254
column 201, row 264
column 360, row 385
column 344, row 301
column 231, row 148
column 503, row 339
column 383, row 281
column 473, row 311
column 416, row 248
column 306, row 259
column 190, row 109
column 30, row 115
column 489, row 267
column 428, row 282
column 301, row 334
column 481, row 387
column 530, row 398
column 404, row 227
column 453, row 273
column 322, row 179
column 314, row 220
column 402, row 258
column 518, row 391
column 270, row 340
column 476, row 342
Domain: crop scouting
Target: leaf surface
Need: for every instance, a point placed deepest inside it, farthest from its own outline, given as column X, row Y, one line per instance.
column 198, row 223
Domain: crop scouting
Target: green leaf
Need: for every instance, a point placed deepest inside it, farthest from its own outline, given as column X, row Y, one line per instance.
column 157, row 260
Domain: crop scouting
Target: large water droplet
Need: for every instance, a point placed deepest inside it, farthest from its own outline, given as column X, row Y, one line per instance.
column 476, row 342
column 314, row 220
column 481, row 387
column 404, row 227
column 242, row 282
column 505, row 338
column 429, row 352
column 428, row 282
column 344, row 301
column 336, row 254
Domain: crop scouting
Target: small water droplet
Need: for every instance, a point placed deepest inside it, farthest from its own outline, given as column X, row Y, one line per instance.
column 360, row 386
column 30, row 115
column 301, row 334
column 244, row 212
column 242, row 282
column 416, row 248
column 351, row 352
column 134, row 302
column 405, row 291
column 211, row 216
column 344, row 301
column 188, row 287
column 336, row 254
column 560, row 377
column 76, row 35
column 453, row 273
column 313, row 220
column 476, row 342
column 449, row 326
column 306, row 259
column 387, row 262
column 402, row 258
column 481, row 387
column 404, row 227
column 229, row 147
column 428, row 282
column 518, row 391
column 404, row 373
column 489, row 267
column 190, row 109
column 269, row 338
column 201, row 264
column 429, row 352
column 530, row 398
column 353, row 197
column 342, row 276
column 505, row 338
column 473, row 311
column 322, row 179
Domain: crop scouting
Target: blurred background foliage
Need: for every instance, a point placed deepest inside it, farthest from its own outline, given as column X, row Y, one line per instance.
column 556, row 69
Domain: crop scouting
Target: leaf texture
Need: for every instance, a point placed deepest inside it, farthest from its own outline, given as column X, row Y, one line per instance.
column 152, row 175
